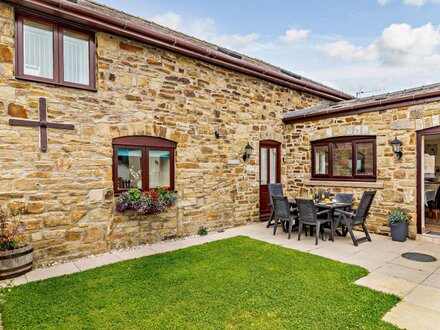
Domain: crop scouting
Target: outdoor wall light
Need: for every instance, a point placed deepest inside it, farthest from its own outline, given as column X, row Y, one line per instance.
column 247, row 152
column 217, row 134
column 397, row 144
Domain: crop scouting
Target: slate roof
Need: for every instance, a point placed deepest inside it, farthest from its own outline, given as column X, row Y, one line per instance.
column 161, row 29
column 370, row 103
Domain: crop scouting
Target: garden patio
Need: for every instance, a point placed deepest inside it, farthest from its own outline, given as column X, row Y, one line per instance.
column 415, row 283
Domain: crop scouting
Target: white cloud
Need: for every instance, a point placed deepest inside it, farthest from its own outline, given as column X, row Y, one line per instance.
column 417, row 3
column 399, row 44
column 206, row 29
column 420, row 3
column 294, row 35
column 402, row 44
column 171, row 20
column 347, row 51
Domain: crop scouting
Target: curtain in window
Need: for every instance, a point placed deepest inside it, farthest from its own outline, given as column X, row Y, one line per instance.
column 38, row 50
column 76, row 58
column 159, row 165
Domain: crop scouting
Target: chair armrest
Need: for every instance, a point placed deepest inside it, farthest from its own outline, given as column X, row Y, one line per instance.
column 348, row 214
column 323, row 212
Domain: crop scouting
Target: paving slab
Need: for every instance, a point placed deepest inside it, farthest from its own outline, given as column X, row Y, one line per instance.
column 14, row 281
column 169, row 246
column 423, row 266
column 409, row 274
column 98, row 261
column 329, row 252
column 433, row 280
column 372, row 253
column 54, row 271
column 409, row 316
column 387, row 284
column 134, row 253
column 370, row 264
column 425, row 296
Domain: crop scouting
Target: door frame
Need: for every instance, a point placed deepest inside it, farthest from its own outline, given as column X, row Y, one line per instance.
column 268, row 144
column 424, row 132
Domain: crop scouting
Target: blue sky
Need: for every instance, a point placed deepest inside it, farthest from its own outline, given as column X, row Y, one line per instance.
column 358, row 45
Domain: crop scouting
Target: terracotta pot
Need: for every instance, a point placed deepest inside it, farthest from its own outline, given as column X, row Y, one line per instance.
column 16, row 262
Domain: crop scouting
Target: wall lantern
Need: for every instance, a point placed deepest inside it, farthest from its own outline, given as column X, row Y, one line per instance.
column 397, row 144
column 247, row 152
column 217, row 134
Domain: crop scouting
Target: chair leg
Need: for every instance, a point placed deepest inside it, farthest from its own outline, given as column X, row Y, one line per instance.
column 367, row 234
column 436, row 215
column 332, row 231
column 270, row 218
column 275, row 225
column 290, row 228
column 300, row 229
column 353, row 238
column 318, row 228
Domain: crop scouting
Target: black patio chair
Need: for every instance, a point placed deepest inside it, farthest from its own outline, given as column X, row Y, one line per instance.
column 308, row 216
column 326, row 195
column 275, row 189
column 342, row 198
column 357, row 217
column 283, row 214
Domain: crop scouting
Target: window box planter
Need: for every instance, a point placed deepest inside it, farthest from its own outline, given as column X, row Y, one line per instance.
column 16, row 262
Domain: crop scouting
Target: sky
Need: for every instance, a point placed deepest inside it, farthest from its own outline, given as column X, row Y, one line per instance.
column 362, row 47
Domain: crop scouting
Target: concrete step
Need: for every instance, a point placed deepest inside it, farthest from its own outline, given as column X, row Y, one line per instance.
column 428, row 238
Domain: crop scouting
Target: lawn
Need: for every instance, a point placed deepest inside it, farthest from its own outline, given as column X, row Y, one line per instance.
column 233, row 283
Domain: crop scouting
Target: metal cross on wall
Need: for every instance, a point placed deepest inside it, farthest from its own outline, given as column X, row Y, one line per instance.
column 43, row 124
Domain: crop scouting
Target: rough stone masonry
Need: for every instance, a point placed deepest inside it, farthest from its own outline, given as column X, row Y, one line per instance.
column 66, row 195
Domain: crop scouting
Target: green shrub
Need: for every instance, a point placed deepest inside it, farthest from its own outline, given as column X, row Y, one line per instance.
column 202, row 231
column 399, row 215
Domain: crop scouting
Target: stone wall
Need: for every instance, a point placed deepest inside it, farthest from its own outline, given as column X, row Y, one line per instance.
column 396, row 178
column 66, row 195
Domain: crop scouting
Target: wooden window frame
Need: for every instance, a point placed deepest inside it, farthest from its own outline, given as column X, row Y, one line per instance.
column 145, row 144
column 58, row 45
column 354, row 140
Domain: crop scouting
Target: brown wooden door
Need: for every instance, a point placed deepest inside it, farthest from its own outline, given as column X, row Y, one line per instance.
column 270, row 172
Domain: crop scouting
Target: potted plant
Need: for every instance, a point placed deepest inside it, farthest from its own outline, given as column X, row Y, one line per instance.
column 399, row 220
column 15, row 259
column 153, row 201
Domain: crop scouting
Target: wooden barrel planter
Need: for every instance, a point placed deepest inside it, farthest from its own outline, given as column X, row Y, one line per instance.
column 16, row 262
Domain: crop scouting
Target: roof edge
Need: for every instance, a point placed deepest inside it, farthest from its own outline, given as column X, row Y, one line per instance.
column 101, row 21
column 366, row 107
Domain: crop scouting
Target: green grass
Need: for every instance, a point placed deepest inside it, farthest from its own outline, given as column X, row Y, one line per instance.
column 238, row 283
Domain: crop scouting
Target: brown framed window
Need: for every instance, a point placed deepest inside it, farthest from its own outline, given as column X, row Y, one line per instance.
column 344, row 158
column 142, row 162
column 49, row 52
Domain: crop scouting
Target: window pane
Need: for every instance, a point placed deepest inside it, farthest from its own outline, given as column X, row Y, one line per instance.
column 129, row 168
column 364, row 158
column 76, row 58
column 321, row 160
column 263, row 166
column 342, row 163
column 159, row 168
column 273, row 165
column 37, row 50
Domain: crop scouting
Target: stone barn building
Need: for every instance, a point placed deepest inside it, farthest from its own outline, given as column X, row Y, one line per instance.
column 94, row 101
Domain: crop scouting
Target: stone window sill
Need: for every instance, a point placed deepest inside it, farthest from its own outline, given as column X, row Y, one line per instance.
column 351, row 184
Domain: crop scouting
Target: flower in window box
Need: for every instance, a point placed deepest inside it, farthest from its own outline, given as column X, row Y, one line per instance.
column 151, row 202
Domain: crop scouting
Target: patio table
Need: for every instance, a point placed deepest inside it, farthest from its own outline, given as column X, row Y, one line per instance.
column 332, row 207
